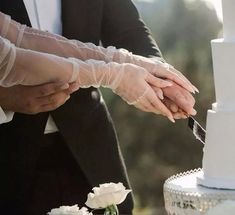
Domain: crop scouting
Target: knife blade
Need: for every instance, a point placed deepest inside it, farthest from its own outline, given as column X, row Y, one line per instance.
column 198, row 131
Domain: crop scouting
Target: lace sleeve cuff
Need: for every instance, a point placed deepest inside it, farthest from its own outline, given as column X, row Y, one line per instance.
column 5, row 116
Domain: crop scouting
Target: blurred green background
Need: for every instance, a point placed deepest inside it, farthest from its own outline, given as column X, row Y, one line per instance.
column 153, row 148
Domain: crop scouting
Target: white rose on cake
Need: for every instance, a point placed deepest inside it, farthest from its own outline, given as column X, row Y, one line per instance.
column 106, row 195
column 226, row 207
column 69, row 210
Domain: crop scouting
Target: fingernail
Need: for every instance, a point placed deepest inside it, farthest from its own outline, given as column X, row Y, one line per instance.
column 192, row 90
column 193, row 112
column 168, row 84
column 64, row 86
column 184, row 115
column 74, row 87
column 174, row 108
column 171, row 119
column 197, row 90
column 160, row 95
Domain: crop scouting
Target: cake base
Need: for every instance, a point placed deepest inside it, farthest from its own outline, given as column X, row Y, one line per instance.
column 183, row 196
column 215, row 183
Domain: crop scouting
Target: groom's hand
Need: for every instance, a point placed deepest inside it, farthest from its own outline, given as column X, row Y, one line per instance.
column 181, row 98
column 35, row 99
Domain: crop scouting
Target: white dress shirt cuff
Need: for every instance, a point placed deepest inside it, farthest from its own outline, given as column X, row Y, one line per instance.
column 5, row 116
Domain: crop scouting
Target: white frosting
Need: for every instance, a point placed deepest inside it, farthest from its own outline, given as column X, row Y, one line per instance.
column 219, row 150
column 229, row 17
column 223, row 54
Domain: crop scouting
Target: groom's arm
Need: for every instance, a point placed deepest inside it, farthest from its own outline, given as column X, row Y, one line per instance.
column 122, row 27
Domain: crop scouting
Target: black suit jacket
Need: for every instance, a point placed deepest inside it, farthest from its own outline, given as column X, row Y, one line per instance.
column 83, row 121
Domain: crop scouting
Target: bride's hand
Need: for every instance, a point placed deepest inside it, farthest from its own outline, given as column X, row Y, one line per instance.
column 132, row 83
column 167, row 71
column 149, row 100
column 153, row 65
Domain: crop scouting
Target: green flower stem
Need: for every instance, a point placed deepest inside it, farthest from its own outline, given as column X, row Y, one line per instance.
column 111, row 210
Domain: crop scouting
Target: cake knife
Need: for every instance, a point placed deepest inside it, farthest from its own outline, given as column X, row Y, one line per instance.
column 198, row 131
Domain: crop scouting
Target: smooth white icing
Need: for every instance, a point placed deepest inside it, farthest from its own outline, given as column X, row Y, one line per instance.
column 223, row 53
column 219, row 151
column 228, row 19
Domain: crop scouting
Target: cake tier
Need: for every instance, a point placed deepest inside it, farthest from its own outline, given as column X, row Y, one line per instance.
column 219, row 150
column 228, row 19
column 224, row 73
column 183, row 196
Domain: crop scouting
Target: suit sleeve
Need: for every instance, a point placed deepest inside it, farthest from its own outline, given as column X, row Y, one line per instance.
column 122, row 27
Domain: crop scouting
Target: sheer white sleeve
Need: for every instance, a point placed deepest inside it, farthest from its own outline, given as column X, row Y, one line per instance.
column 131, row 82
column 34, row 39
column 5, row 116
column 27, row 67
column 7, row 59
column 128, row 75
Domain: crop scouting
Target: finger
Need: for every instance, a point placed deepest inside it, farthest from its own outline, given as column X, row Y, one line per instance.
column 158, row 105
column 49, row 89
column 174, row 108
column 157, row 82
column 180, row 115
column 167, row 102
column 53, row 99
column 141, row 106
column 181, row 97
column 169, row 67
column 73, row 87
column 147, row 106
column 180, row 81
column 158, row 91
column 184, row 102
column 162, row 72
column 184, row 78
column 171, row 105
column 53, row 105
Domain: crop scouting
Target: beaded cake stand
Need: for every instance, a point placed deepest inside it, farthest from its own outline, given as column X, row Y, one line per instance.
column 183, row 196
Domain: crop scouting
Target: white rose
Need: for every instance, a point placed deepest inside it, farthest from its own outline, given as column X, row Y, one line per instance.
column 226, row 207
column 106, row 195
column 69, row 210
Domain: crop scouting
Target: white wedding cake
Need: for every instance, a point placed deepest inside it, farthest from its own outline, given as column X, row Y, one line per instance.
column 219, row 151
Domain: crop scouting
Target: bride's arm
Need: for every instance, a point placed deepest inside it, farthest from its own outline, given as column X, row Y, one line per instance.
column 30, row 38
column 132, row 83
column 27, row 67
column 33, row 39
